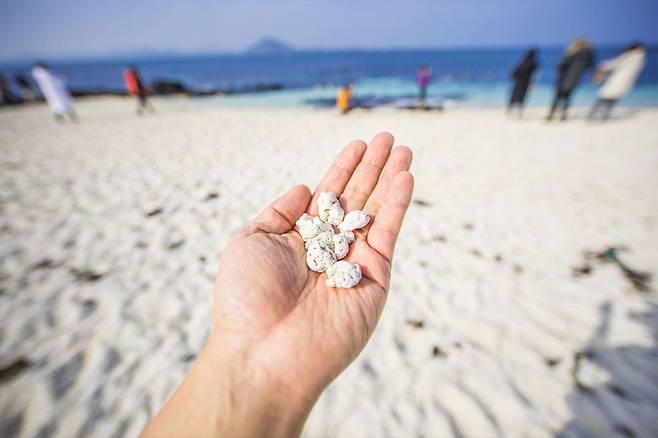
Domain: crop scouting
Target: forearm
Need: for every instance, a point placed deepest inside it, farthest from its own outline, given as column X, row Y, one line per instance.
column 217, row 398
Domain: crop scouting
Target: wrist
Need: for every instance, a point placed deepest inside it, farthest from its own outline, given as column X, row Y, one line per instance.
column 252, row 401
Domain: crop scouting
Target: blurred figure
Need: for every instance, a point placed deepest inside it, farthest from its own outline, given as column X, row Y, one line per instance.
column 578, row 58
column 522, row 76
column 344, row 99
column 622, row 73
column 55, row 92
column 136, row 87
column 6, row 96
column 25, row 86
column 424, row 80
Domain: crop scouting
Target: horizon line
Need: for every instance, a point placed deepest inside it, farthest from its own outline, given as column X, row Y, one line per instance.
column 156, row 53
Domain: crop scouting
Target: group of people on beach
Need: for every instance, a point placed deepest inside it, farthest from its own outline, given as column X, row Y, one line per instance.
column 618, row 76
column 54, row 90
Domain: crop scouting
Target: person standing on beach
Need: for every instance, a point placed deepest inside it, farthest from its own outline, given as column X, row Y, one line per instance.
column 55, row 92
column 344, row 99
column 522, row 76
column 424, row 80
column 622, row 73
column 26, row 87
column 578, row 58
column 136, row 87
column 6, row 96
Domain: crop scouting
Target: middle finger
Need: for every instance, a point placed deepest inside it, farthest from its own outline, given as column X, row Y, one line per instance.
column 365, row 177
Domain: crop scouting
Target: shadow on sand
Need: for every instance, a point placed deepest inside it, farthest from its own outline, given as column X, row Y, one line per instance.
column 626, row 403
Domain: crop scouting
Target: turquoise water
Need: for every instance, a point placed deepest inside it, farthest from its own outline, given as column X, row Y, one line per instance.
column 487, row 94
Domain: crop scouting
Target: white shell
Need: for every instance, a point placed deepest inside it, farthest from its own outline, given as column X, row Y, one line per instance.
column 324, row 248
column 329, row 208
column 354, row 220
column 310, row 226
column 335, row 214
column 341, row 245
column 324, row 239
column 319, row 259
column 326, row 199
column 343, row 274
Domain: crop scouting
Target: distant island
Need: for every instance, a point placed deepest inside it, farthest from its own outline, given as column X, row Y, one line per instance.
column 269, row 46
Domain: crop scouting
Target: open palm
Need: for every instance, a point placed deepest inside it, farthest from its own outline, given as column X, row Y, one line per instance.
column 283, row 317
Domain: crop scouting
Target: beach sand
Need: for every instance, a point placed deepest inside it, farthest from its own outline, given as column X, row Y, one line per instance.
column 111, row 231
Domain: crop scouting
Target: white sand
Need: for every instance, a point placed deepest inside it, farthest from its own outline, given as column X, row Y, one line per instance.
column 106, row 352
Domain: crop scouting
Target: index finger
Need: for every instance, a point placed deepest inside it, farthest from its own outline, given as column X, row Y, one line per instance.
column 339, row 173
column 366, row 175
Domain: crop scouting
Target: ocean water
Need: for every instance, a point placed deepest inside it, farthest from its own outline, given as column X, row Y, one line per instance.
column 465, row 77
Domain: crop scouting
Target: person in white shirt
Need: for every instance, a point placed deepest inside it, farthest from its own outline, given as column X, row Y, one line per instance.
column 620, row 75
column 55, row 92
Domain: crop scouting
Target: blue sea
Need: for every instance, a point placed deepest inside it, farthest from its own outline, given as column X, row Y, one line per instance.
column 465, row 77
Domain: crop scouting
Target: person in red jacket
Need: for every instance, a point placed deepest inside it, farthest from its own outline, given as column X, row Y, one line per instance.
column 136, row 88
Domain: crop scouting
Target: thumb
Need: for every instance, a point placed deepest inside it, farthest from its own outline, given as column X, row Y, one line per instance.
column 280, row 216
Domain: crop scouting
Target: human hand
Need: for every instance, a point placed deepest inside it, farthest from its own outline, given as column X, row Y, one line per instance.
column 598, row 77
column 284, row 332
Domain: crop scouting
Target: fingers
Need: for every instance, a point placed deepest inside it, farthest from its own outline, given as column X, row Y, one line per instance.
column 400, row 160
column 386, row 226
column 340, row 172
column 280, row 216
column 366, row 175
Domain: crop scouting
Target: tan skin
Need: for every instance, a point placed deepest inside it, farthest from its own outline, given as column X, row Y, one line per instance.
column 280, row 334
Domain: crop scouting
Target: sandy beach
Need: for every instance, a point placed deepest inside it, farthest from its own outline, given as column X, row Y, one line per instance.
column 497, row 322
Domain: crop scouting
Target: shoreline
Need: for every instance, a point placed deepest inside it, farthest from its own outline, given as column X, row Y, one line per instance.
column 217, row 103
column 380, row 93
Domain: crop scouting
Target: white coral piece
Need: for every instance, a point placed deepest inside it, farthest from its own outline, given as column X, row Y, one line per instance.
column 324, row 240
column 324, row 248
column 330, row 209
column 310, row 226
column 341, row 245
column 343, row 274
column 319, row 259
column 354, row 220
column 335, row 214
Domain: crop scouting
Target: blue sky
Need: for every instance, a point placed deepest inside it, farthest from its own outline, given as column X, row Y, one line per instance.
column 60, row 28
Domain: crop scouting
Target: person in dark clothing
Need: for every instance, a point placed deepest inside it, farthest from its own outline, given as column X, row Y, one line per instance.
column 578, row 58
column 6, row 96
column 26, row 87
column 522, row 76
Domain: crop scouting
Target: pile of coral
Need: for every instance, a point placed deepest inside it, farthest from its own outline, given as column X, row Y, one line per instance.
column 324, row 247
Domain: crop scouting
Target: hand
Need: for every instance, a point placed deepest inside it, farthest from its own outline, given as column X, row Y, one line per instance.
column 285, row 332
column 598, row 77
